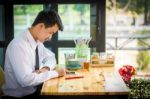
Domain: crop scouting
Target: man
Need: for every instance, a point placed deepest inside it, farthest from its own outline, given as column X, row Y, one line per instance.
column 25, row 53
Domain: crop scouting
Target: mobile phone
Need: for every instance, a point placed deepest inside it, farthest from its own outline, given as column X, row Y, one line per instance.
column 70, row 72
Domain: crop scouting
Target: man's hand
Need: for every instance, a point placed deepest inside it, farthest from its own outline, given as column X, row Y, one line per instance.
column 61, row 72
column 44, row 69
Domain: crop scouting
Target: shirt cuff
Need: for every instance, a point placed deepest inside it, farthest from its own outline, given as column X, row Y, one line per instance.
column 51, row 66
column 53, row 74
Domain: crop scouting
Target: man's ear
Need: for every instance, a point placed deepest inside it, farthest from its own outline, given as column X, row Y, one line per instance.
column 41, row 25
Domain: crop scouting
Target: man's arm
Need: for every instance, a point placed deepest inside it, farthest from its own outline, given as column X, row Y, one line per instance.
column 60, row 71
column 23, row 68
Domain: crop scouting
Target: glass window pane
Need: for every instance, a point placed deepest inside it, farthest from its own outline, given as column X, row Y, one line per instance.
column 24, row 16
column 76, row 20
column 62, row 51
column 2, row 32
column 79, row 21
column 2, row 57
column 128, row 32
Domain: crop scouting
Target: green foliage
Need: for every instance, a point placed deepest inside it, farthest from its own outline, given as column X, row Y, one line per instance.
column 27, row 9
column 79, row 12
column 135, row 7
column 143, row 56
column 143, row 59
column 139, row 88
column 62, row 8
column 144, row 31
column 82, row 8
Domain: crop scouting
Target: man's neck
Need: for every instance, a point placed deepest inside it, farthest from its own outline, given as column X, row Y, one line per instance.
column 33, row 33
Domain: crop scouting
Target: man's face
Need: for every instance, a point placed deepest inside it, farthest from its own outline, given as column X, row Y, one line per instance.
column 46, row 33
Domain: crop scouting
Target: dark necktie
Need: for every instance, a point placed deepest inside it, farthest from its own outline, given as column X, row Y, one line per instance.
column 37, row 59
column 39, row 87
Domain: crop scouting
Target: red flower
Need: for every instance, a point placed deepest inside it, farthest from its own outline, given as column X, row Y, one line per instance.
column 126, row 72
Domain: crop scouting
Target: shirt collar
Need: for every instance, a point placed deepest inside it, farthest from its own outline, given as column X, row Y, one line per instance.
column 31, row 40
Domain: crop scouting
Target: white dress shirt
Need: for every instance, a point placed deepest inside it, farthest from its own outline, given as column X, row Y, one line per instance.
column 20, row 76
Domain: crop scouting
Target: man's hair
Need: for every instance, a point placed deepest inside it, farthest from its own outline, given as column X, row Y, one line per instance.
column 49, row 18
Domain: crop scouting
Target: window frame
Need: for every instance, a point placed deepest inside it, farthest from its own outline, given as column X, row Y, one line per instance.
column 8, row 30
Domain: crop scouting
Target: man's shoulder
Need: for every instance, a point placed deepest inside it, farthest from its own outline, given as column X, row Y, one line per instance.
column 17, row 42
column 21, row 38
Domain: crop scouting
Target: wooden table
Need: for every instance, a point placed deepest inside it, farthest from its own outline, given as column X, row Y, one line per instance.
column 96, row 81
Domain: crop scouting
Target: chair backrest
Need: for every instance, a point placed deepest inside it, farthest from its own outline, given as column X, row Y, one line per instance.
column 1, row 77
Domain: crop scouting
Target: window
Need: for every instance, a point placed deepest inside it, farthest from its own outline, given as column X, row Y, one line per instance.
column 19, row 16
column 76, row 25
column 128, row 32
column 24, row 16
column 2, row 35
column 85, row 23
column 2, row 57
column 76, row 20
column 89, row 23
column 2, row 32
